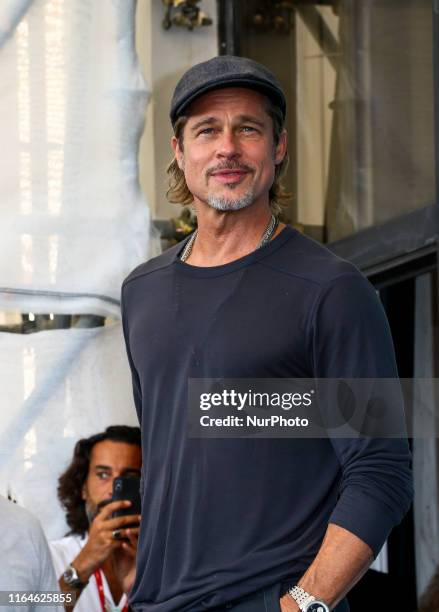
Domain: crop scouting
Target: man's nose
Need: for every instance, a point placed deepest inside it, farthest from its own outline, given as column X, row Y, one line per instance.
column 109, row 491
column 228, row 145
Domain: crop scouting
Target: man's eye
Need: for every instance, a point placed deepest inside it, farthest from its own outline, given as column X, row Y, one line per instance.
column 248, row 129
column 103, row 475
column 206, row 132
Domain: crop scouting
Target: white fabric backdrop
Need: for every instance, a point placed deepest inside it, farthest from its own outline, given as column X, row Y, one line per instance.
column 72, row 103
column 73, row 223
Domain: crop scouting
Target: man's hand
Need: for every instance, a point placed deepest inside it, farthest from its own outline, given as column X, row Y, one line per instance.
column 287, row 604
column 101, row 543
column 341, row 561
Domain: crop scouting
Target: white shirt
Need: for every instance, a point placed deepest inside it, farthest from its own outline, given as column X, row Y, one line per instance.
column 63, row 552
column 25, row 562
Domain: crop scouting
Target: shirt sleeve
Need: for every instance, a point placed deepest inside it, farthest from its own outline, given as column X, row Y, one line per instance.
column 351, row 339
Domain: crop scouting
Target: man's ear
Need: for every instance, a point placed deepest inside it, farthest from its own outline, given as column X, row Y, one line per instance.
column 177, row 152
column 281, row 148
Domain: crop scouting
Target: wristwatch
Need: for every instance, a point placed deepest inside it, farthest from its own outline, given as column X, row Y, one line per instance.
column 317, row 606
column 307, row 602
column 71, row 578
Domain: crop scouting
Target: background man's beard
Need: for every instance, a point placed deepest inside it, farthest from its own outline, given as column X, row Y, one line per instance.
column 222, row 203
column 92, row 510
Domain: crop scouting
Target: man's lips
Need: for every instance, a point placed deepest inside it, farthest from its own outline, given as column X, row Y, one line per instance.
column 229, row 176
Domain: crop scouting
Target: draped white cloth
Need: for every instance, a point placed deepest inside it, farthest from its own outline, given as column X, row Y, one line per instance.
column 73, row 223
column 72, row 103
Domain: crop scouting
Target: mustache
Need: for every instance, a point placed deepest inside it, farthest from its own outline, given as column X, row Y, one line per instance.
column 229, row 165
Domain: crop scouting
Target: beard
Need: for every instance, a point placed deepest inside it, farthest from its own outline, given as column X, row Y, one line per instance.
column 230, row 203
column 224, row 204
column 92, row 509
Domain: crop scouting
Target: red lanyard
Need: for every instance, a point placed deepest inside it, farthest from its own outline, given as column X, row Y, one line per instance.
column 100, row 585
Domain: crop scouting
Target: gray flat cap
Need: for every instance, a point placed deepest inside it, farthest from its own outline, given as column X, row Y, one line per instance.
column 225, row 71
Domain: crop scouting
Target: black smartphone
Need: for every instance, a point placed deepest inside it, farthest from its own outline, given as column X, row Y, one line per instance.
column 127, row 488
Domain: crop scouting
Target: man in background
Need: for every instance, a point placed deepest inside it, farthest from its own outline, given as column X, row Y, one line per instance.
column 97, row 558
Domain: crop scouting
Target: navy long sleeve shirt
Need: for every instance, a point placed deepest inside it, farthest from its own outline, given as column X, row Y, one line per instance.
column 223, row 518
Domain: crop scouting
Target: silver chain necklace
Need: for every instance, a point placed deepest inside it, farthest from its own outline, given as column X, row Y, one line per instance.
column 266, row 237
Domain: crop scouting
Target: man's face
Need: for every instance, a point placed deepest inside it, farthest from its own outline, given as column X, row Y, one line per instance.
column 108, row 461
column 228, row 155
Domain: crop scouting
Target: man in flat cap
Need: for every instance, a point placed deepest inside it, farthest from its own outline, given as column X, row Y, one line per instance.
column 251, row 524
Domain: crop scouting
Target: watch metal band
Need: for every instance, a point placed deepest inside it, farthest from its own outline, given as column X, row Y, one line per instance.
column 301, row 597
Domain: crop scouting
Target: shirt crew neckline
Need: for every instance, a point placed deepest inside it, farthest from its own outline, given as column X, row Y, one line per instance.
column 210, row 271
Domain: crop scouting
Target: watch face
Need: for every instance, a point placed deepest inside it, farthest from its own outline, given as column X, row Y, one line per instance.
column 69, row 575
column 317, row 606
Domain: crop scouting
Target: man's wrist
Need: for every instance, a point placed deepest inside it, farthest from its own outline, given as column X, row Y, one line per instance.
column 293, row 603
column 83, row 568
column 71, row 579
column 301, row 597
column 306, row 602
